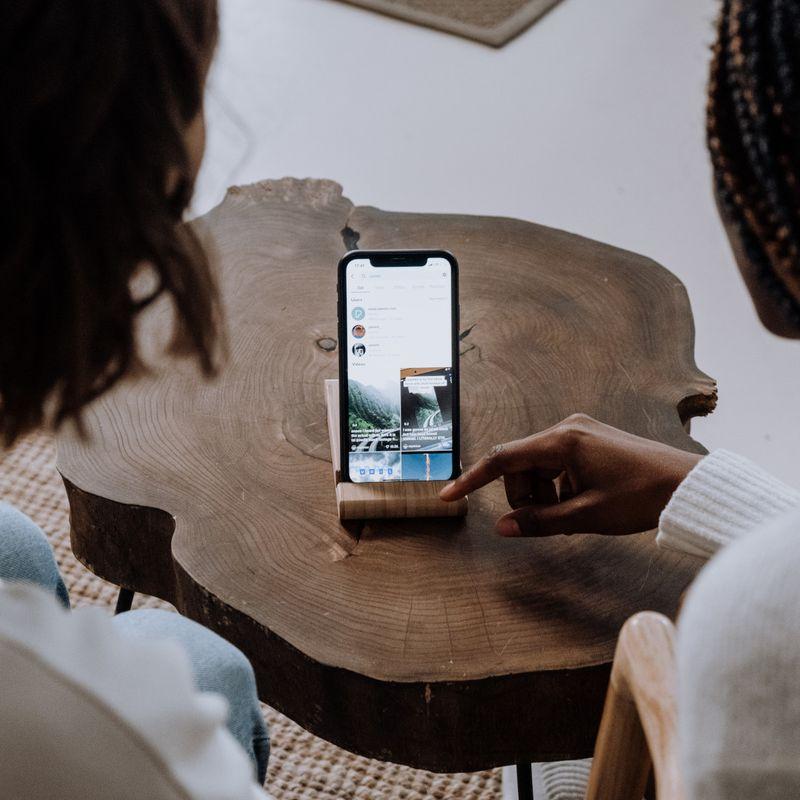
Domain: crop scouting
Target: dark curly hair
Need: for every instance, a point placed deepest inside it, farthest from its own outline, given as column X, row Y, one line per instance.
column 753, row 122
column 96, row 99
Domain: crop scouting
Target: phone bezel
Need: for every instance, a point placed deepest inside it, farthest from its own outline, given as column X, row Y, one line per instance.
column 395, row 256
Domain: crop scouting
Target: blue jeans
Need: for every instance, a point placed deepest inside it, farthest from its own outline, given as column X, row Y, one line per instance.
column 218, row 666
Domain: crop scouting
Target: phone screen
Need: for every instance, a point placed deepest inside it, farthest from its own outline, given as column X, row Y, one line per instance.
column 401, row 386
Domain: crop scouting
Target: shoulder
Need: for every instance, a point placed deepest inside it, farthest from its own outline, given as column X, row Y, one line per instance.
column 750, row 583
column 81, row 675
column 738, row 655
column 758, row 566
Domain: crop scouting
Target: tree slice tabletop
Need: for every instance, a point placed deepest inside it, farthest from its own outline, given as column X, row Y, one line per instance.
column 428, row 642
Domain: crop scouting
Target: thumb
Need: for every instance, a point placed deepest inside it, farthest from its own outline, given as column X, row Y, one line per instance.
column 580, row 514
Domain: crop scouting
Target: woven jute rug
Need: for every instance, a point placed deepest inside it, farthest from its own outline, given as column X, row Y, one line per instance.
column 301, row 765
column 493, row 22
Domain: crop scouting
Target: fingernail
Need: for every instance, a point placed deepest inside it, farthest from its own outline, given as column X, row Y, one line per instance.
column 508, row 527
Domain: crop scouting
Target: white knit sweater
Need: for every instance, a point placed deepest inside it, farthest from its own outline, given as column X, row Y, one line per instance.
column 739, row 632
column 724, row 498
column 738, row 638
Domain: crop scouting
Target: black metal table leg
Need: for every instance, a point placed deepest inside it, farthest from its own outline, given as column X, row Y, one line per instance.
column 124, row 600
column 524, row 781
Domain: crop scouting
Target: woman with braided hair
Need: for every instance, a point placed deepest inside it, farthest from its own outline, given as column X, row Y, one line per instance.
column 739, row 631
column 753, row 121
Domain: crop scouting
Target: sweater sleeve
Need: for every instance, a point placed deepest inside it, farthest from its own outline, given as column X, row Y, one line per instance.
column 722, row 499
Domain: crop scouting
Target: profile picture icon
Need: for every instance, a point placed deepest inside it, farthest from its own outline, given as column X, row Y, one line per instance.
column 359, row 350
column 358, row 313
column 359, row 331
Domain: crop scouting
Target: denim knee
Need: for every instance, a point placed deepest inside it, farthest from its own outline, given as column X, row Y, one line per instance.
column 26, row 555
column 218, row 667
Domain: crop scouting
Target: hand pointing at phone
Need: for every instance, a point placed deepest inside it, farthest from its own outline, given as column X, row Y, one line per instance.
column 580, row 476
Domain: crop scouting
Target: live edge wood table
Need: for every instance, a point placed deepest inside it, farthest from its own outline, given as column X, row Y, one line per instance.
column 431, row 643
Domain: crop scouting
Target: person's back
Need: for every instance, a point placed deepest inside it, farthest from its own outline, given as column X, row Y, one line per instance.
column 739, row 670
column 87, row 712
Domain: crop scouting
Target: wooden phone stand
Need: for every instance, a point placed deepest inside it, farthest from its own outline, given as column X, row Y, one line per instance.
column 387, row 499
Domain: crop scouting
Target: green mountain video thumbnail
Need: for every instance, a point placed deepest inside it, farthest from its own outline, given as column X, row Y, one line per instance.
column 370, row 408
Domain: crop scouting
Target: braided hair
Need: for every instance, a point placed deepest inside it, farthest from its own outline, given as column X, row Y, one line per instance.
column 753, row 129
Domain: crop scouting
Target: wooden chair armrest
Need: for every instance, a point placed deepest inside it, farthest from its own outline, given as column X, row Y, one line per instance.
column 639, row 725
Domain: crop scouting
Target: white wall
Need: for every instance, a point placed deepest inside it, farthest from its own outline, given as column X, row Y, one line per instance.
column 591, row 121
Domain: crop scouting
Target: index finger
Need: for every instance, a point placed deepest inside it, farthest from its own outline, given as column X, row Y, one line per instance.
column 534, row 452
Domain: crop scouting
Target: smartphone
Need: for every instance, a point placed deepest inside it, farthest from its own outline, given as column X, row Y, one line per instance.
column 398, row 366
